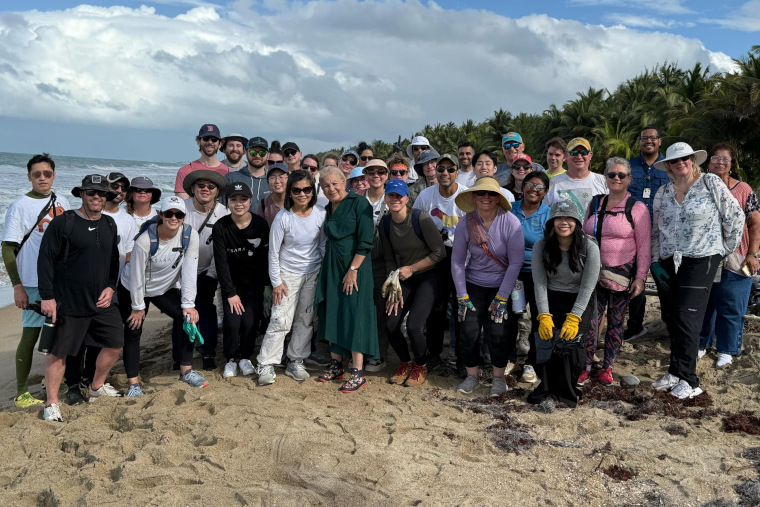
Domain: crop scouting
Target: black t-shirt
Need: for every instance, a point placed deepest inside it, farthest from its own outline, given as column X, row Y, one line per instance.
column 241, row 256
column 76, row 278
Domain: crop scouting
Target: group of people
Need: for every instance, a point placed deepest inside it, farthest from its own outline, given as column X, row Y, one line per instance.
column 346, row 252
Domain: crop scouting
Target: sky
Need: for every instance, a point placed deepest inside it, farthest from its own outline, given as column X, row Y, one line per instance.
column 135, row 80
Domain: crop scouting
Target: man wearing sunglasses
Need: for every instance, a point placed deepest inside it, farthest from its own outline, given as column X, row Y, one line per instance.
column 208, row 140
column 426, row 168
column 292, row 156
column 254, row 175
column 26, row 220
column 578, row 183
column 511, row 145
column 233, row 147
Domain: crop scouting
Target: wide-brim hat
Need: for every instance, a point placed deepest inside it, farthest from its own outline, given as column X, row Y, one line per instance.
column 204, row 174
column 566, row 209
column 466, row 199
column 416, row 141
column 426, row 156
column 678, row 150
column 236, row 137
column 145, row 183
column 94, row 182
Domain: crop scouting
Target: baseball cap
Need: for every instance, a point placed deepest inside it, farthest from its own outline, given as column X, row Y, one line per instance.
column 450, row 157
column 352, row 153
column 238, row 188
column 511, row 137
column 290, row 145
column 209, row 130
column 396, row 187
column 356, row 172
column 257, row 142
column 116, row 176
column 522, row 156
column 279, row 166
column 173, row 202
column 578, row 141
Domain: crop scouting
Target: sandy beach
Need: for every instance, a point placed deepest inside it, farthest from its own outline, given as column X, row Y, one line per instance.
column 235, row 443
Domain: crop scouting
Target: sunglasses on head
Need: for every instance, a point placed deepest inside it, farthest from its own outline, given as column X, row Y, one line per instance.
column 289, row 153
column 210, row 186
column 260, row 153
column 612, row 175
column 46, row 174
column 511, row 144
column 530, row 186
column 348, row 158
column 582, row 153
column 118, row 186
column 364, row 158
column 209, row 139
column 307, row 167
column 398, row 172
column 381, row 171
column 99, row 193
column 172, row 214
column 681, row 159
column 450, row 170
column 420, row 148
column 521, row 167
column 299, row 190
column 481, row 193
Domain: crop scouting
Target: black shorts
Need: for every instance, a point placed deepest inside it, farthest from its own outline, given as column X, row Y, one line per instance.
column 104, row 329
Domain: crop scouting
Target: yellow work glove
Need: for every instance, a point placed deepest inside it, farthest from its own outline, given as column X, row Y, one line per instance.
column 570, row 327
column 545, row 326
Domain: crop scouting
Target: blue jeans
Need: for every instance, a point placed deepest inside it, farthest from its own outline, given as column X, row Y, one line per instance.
column 725, row 311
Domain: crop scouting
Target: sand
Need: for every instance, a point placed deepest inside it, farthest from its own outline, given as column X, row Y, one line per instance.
column 235, row 443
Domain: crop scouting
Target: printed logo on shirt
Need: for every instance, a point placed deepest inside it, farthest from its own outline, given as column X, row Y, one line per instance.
column 255, row 242
column 42, row 225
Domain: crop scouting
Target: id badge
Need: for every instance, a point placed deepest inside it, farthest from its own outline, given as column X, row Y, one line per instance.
column 647, row 192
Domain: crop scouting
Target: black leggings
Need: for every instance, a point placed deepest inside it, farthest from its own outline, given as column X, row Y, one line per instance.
column 438, row 321
column 240, row 331
column 204, row 303
column 419, row 295
column 169, row 303
column 481, row 298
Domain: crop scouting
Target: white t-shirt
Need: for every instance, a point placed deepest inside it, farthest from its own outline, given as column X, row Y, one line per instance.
column 466, row 179
column 195, row 218
column 379, row 208
column 509, row 195
column 141, row 220
column 580, row 191
column 443, row 211
column 126, row 230
column 296, row 244
column 20, row 219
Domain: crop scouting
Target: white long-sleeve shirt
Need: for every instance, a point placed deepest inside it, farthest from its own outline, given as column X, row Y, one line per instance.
column 195, row 219
column 296, row 244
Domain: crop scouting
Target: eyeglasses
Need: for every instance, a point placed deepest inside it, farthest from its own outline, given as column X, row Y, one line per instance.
column 511, row 144
column 719, row 160
column 348, row 158
column 481, row 193
column 612, row 175
column 118, row 186
column 262, row 153
column 364, row 158
column 99, row 193
column 680, row 159
column 379, row 172
column 142, row 191
column 538, row 187
column 172, row 214
column 522, row 167
column 307, row 167
column 649, row 138
column 46, row 174
column 420, row 148
column 359, row 179
column 451, row 170
column 299, row 190
column 209, row 139
column 210, row 186
column 398, row 172
column 582, row 153
column 289, row 153
column 273, row 162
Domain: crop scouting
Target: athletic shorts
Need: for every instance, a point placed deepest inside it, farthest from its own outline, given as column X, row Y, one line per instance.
column 28, row 317
column 101, row 330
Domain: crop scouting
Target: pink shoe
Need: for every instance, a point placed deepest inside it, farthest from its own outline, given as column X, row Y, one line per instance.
column 605, row 377
column 585, row 377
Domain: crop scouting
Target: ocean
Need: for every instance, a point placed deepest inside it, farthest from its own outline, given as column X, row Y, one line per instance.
column 69, row 173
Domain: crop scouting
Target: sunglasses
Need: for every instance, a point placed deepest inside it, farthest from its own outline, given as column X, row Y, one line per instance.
column 142, row 191
column 209, row 139
column 210, row 186
column 273, row 162
column 347, row 158
column 530, row 186
column 398, row 172
column 451, row 170
column 289, row 153
column 311, row 168
column 612, row 175
column 46, row 174
column 420, row 148
column 364, row 158
column 254, row 153
column 582, row 153
column 99, row 193
column 172, row 214
column 380, row 172
column 300, row 190
column 511, row 144
column 119, row 186
column 521, row 167
column 481, row 193
column 681, row 159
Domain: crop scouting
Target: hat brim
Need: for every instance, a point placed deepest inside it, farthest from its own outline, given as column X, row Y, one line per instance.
column 699, row 158
column 466, row 200
column 76, row 192
column 203, row 174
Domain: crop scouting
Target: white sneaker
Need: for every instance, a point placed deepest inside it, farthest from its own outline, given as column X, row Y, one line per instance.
column 683, row 391
column 246, row 367
column 230, row 369
column 104, row 391
column 508, row 369
column 529, row 374
column 266, row 375
column 701, row 353
column 52, row 413
column 723, row 360
column 666, row 383
column 296, row 371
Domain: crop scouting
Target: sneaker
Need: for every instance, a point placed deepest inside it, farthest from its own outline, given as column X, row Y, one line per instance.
column 209, row 363
column 74, row 396
column 375, row 365
column 318, row 359
column 469, row 384
column 529, row 374
column 104, row 391
column 26, row 400
column 498, row 387
column 356, row 380
column 508, row 369
column 605, row 377
column 134, row 391
column 666, row 383
column 417, row 376
column 266, row 375
column 401, row 373
column 683, row 391
column 230, row 369
column 701, row 353
column 334, row 372
column 246, row 367
column 297, row 371
column 632, row 334
column 193, row 379
column 52, row 413
column 723, row 360
column 584, row 378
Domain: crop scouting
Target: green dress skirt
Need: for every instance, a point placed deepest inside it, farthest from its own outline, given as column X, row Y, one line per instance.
column 348, row 322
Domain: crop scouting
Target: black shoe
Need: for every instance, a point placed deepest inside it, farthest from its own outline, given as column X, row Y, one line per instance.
column 74, row 396
column 209, row 363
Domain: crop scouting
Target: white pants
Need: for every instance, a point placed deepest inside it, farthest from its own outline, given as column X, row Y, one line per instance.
column 296, row 312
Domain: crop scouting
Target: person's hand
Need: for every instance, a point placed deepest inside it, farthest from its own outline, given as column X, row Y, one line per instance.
column 49, row 308
column 498, row 309
column 349, row 282
column 393, row 307
column 192, row 313
column 659, row 274
column 545, row 326
column 636, row 288
column 135, row 319
column 20, row 297
column 104, row 301
column 236, row 306
column 750, row 261
column 570, row 327
column 405, row 272
column 278, row 293
column 464, row 304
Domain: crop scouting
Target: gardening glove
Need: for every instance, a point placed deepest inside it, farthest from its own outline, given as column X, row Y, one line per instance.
column 659, row 274
column 464, row 304
column 570, row 327
column 545, row 326
column 498, row 309
column 192, row 331
column 392, row 288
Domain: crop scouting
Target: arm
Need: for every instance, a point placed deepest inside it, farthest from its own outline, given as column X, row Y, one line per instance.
column 389, row 256
column 276, row 237
column 730, row 212
column 753, row 226
column 459, row 256
column 137, row 267
column 513, row 235
column 540, row 280
column 50, row 248
column 589, row 278
column 643, row 236
column 365, row 227
column 189, row 275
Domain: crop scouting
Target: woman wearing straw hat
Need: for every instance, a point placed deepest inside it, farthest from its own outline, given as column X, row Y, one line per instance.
column 696, row 222
column 493, row 238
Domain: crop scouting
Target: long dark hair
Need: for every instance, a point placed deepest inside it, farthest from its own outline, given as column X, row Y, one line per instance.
column 295, row 177
column 552, row 255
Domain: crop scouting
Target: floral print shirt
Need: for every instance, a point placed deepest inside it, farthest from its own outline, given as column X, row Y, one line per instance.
column 709, row 221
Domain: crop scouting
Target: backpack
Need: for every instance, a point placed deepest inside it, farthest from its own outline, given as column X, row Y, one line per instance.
column 386, row 220
column 68, row 226
column 594, row 206
column 151, row 227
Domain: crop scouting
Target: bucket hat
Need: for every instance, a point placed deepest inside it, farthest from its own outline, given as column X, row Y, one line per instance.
column 145, row 183
column 416, row 141
column 678, row 150
column 566, row 209
column 94, row 182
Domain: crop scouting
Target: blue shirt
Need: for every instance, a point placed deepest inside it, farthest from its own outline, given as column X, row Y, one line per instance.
column 533, row 229
column 646, row 176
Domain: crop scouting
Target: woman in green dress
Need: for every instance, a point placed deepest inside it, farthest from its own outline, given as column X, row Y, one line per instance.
column 345, row 307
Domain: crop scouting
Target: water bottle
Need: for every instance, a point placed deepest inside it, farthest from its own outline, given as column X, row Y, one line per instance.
column 518, row 298
column 47, row 336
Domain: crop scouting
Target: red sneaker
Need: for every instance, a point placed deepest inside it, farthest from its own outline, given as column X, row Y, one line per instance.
column 605, row 377
column 584, row 378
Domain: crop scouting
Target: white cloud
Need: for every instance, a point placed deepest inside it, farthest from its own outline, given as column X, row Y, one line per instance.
column 746, row 19
column 661, row 6
column 634, row 21
column 323, row 73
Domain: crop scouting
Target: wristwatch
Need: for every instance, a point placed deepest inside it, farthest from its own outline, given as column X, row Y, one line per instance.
column 755, row 255
column 353, row 268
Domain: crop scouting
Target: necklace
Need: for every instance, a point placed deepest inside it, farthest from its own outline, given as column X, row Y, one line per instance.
column 688, row 185
column 96, row 223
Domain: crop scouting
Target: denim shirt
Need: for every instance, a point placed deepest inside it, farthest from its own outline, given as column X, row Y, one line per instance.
column 646, row 176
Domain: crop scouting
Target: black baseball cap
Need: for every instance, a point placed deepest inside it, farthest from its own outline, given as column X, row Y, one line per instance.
column 238, row 188
column 116, row 176
column 290, row 145
column 209, row 130
column 257, row 141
